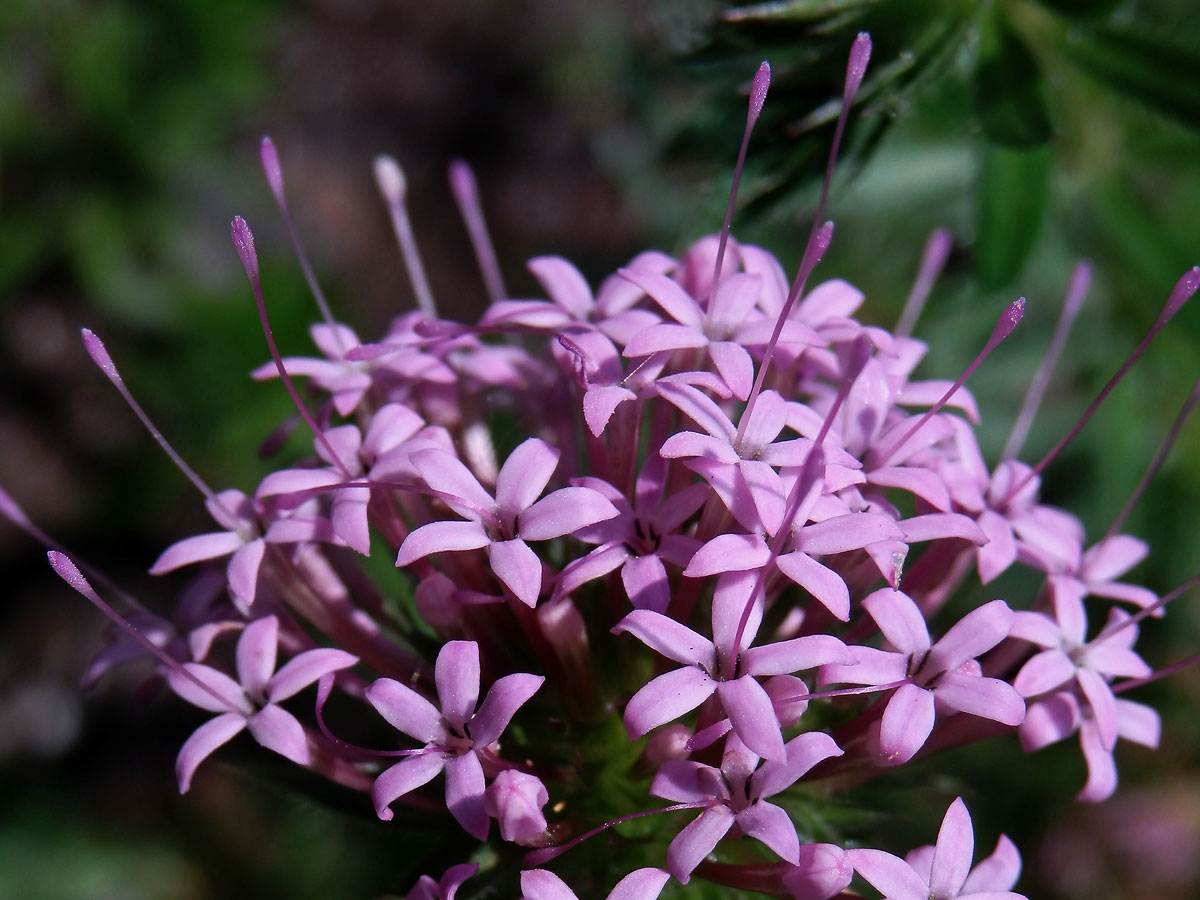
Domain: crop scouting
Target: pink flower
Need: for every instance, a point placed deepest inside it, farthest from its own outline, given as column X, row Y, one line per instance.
column 454, row 736
column 943, row 872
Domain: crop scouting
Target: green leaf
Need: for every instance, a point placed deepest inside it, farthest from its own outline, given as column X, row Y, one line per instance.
column 1008, row 88
column 1152, row 70
column 1014, row 191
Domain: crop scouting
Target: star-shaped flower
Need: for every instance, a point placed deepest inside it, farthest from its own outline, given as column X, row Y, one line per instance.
column 454, row 736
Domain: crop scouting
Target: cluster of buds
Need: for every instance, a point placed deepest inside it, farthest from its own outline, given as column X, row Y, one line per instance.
column 698, row 504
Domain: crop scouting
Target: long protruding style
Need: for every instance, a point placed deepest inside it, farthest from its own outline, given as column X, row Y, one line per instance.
column 933, row 260
column 269, row 157
column 243, row 242
column 394, row 188
column 1013, row 313
column 466, row 194
column 1077, row 288
column 1182, row 292
column 758, row 96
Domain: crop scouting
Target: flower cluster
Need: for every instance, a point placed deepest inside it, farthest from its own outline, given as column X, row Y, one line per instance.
column 697, row 501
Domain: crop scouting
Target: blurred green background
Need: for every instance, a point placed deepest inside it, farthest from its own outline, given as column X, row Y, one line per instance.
column 1038, row 132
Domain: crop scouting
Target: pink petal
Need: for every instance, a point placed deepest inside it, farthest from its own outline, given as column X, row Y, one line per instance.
column 820, row 581
column 405, row 776
column 1117, row 662
column 1000, row 551
column 940, row 526
column 1112, row 558
column 999, row 872
column 444, row 472
column 277, row 729
column 752, row 716
column 686, row 781
column 899, row 620
column 889, row 874
column 305, row 669
column 296, row 481
column 524, row 476
column 256, row 655
column 406, row 710
column 518, row 567
column 690, row 444
column 795, row 655
column 700, row 409
column 1102, row 770
column 440, row 537
column 697, row 840
column 196, row 549
column 504, row 698
column 1138, row 723
column 906, row 724
column 1104, row 705
column 349, row 518
column 456, row 674
column 871, row 666
column 645, row 581
column 539, row 884
column 842, row 533
column 921, row 482
column 564, row 512
column 668, row 637
column 668, row 294
column 665, row 337
column 989, row 698
column 600, row 402
column 728, row 553
column 640, row 884
column 803, row 752
column 954, row 851
column 219, row 682
column 203, row 741
column 1044, row 672
column 242, row 573
column 465, row 794
column 735, row 367
column 768, row 823
column 1048, row 720
column 563, row 284
column 975, row 633
column 665, row 698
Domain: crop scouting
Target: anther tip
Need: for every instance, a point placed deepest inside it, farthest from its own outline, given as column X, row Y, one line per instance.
column 99, row 353
column 758, row 91
column 243, row 242
column 271, row 167
column 860, row 55
column 1011, row 318
column 390, row 179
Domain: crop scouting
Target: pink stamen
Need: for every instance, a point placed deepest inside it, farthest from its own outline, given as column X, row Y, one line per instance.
column 66, row 569
column 243, row 242
column 394, row 188
column 1077, row 288
column 1004, row 327
column 100, row 356
column 11, row 510
column 1183, row 291
column 543, row 856
column 849, row 692
column 466, row 194
column 274, row 172
column 758, row 96
column 1157, row 463
column 1147, row 611
column 933, row 259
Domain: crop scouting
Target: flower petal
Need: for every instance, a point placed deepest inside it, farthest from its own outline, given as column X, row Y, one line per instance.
column 888, row 874
column 465, row 794
column 953, row 852
column 406, row 710
column 975, row 633
column 196, row 549
column 665, row 698
column 752, row 716
column 277, row 729
column 697, row 840
column 456, row 674
column 407, row 775
column 504, row 698
column 524, row 476
column 906, row 724
column 540, row 884
column 564, row 512
column 440, row 537
column 204, row 740
column 518, row 568
column 304, row 669
column 256, row 655
column 640, row 884
column 768, row 823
